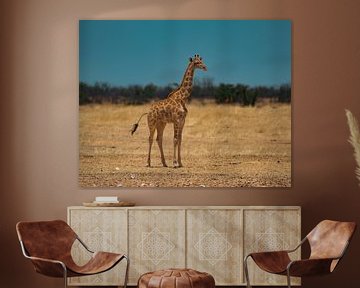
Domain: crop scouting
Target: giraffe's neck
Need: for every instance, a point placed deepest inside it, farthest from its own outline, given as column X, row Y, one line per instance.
column 187, row 82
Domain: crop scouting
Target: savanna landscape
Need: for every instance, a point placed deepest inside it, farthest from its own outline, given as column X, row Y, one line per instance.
column 223, row 146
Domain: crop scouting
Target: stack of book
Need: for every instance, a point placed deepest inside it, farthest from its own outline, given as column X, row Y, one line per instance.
column 106, row 199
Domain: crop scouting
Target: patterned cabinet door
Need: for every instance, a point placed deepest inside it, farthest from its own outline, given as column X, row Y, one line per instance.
column 101, row 230
column 269, row 230
column 156, row 240
column 214, row 244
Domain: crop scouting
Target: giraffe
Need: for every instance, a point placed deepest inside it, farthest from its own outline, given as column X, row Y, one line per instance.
column 171, row 110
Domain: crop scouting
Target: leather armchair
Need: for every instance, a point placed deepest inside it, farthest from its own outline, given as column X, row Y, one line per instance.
column 328, row 243
column 48, row 245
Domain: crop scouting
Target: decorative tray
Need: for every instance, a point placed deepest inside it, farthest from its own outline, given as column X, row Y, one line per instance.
column 120, row 204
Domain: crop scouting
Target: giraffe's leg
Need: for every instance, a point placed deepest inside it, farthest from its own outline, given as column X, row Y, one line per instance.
column 151, row 138
column 176, row 144
column 159, row 138
column 179, row 143
column 179, row 148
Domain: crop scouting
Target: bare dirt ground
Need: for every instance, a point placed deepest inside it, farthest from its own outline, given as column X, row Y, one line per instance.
column 223, row 146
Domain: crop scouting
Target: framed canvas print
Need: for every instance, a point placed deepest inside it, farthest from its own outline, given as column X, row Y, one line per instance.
column 185, row 103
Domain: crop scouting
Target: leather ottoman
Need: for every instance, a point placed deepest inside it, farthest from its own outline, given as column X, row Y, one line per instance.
column 176, row 278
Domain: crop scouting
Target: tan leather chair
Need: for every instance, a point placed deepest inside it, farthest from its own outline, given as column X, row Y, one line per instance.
column 328, row 242
column 48, row 245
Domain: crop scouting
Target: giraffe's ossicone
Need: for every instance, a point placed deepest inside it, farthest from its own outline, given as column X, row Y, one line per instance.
column 171, row 110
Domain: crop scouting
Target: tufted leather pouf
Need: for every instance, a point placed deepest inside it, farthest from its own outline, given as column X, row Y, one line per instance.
column 176, row 278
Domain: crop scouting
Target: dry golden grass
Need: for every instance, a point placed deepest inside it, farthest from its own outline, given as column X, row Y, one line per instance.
column 354, row 140
column 223, row 146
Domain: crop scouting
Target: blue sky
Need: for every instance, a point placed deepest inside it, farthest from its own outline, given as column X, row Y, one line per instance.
column 122, row 52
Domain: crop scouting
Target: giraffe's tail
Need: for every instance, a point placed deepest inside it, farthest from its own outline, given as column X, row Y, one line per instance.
column 136, row 125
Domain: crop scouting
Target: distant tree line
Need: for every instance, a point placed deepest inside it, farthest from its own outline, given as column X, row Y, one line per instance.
column 202, row 90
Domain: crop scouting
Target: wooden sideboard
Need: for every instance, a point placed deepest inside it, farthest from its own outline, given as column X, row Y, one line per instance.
column 212, row 239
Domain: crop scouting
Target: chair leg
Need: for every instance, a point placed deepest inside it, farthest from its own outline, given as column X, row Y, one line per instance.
column 127, row 271
column 246, row 272
column 65, row 275
column 288, row 278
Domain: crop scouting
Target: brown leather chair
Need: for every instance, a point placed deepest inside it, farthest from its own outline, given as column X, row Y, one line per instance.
column 328, row 242
column 48, row 245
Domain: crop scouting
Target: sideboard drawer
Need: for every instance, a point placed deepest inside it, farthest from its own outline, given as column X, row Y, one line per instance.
column 156, row 240
column 101, row 230
column 214, row 242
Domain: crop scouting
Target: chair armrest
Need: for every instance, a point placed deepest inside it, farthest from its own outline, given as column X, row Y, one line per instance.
column 48, row 267
column 271, row 261
column 268, row 253
column 45, row 260
column 281, row 251
column 298, row 246
column 309, row 267
column 84, row 245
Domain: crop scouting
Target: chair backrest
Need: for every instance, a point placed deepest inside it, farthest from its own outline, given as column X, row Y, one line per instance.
column 46, row 239
column 329, row 239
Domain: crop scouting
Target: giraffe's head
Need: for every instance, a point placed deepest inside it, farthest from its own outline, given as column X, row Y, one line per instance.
column 198, row 63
